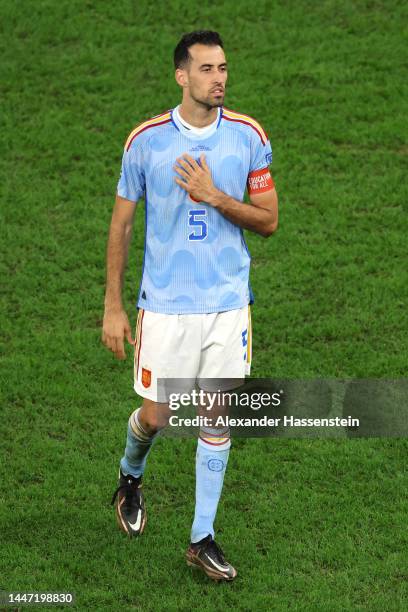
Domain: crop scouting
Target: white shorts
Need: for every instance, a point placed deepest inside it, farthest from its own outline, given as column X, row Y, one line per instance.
column 193, row 347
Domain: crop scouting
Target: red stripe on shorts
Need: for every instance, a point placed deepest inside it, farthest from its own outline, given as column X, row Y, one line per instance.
column 140, row 345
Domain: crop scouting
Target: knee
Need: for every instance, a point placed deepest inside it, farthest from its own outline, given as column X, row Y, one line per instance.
column 152, row 422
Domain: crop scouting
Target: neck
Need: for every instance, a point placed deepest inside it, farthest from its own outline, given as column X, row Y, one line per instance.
column 197, row 115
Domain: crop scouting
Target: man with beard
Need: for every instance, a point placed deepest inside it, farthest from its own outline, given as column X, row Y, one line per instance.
column 192, row 164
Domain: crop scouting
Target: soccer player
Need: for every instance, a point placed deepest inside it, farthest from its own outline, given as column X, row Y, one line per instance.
column 192, row 164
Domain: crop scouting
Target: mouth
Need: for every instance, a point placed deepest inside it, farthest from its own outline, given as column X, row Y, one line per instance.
column 218, row 92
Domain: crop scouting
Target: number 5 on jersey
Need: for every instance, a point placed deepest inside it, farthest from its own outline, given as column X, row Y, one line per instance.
column 197, row 219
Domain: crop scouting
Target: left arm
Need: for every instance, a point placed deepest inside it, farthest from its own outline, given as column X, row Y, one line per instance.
column 261, row 217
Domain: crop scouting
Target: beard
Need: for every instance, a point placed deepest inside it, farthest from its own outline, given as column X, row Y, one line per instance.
column 209, row 103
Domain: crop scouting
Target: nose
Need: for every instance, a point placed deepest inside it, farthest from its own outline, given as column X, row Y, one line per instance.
column 219, row 81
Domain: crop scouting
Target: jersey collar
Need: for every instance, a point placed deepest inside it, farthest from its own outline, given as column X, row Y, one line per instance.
column 188, row 133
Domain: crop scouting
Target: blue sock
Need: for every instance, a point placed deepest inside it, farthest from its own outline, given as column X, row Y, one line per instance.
column 138, row 445
column 211, row 463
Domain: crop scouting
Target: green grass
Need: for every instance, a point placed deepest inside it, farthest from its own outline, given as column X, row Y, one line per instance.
column 311, row 525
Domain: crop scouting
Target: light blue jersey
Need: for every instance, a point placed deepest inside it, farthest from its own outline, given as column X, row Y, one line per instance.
column 196, row 261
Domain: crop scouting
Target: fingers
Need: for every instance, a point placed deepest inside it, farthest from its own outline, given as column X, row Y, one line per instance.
column 181, row 172
column 203, row 162
column 115, row 345
column 192, row 162
column 186, row 169
column 188, row 163
column 115, row 329
column 181, row 183
column 119, row 349
column 185, row 166
column 129, row 336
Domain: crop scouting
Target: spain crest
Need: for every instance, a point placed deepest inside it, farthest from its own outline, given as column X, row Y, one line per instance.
column 146, row 377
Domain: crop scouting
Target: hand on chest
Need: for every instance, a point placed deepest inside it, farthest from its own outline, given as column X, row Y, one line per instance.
column 228, row 166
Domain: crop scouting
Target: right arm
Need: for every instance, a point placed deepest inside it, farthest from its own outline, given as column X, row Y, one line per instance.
column 115, row 321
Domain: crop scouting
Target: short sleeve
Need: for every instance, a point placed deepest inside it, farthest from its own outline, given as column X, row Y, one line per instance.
column 261, row 152
column 131, row 183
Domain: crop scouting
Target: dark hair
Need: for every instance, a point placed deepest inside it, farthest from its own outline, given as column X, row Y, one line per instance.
column 203, row 37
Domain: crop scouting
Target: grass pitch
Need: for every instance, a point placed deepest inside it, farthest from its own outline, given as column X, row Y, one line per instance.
column 310, row 525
